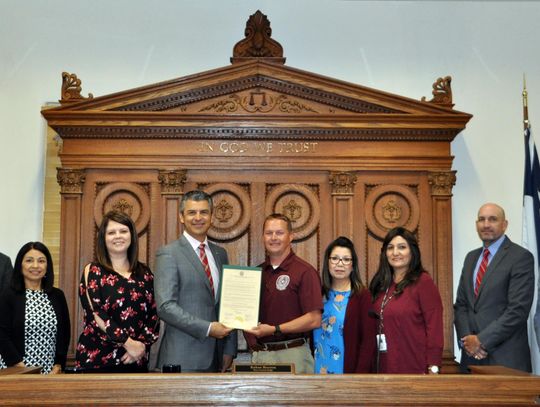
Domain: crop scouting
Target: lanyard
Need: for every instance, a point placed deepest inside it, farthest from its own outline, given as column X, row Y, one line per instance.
column 384, row 303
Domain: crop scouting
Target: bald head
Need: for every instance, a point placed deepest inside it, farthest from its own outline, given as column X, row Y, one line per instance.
column 492, row 207
column 491, row 223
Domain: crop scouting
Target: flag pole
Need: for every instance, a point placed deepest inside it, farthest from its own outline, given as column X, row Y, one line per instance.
column 525, row 105
column 531, row 228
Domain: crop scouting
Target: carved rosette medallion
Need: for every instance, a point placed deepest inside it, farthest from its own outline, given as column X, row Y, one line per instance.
column 123, row 206
column 391, row 211
column 293, row 211
column 129, row 198
column 342, row 183
column 232, row 211
column 441, row 183
column 388, row 206
column 223, row 211
column 299, row 203
column 71, row 181
column 172, row 182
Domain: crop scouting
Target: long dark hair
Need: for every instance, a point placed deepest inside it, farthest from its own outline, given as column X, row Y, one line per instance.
column 356, row 282
column 102, row 254
column 17, row 279
column 385, row 274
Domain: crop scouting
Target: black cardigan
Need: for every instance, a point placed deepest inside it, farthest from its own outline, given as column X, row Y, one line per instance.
column 12, row 316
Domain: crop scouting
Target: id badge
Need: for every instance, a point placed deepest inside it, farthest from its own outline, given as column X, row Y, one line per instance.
column 381, row 343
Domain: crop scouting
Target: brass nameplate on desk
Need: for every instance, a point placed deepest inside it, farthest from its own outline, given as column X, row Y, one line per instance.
column 263, row 368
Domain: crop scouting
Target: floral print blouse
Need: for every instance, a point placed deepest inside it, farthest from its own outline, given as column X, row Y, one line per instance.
column 128, row 308
column 328, row 339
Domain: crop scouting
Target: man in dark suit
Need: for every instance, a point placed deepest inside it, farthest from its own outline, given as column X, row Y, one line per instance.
column 494, row 297
column 6, row 270
column 186, row 287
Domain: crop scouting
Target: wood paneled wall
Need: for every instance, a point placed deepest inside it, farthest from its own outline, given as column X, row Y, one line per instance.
column 338, row 158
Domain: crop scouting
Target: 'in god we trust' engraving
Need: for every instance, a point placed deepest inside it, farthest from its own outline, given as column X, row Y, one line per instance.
column 257, row 147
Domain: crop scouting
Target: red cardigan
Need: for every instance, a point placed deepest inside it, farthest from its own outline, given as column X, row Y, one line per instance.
column 359, row 334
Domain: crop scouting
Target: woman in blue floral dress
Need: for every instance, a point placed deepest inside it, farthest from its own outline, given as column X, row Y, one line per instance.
column 345, row 342
column 117, row 294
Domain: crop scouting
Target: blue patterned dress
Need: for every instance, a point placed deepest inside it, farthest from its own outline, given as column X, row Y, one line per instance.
column 328, row 339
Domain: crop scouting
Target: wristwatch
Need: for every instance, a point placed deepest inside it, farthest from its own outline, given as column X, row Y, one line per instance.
column 433, row 369
column 277, row 331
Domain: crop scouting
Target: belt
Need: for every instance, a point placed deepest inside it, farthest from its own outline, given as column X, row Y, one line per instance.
column 273, row 346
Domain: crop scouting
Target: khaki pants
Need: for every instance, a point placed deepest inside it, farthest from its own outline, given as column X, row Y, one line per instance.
column 300, row 356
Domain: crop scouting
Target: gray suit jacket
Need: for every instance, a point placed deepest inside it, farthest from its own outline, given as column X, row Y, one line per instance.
column 186, row 304
column 499, row 314
column 6, row 270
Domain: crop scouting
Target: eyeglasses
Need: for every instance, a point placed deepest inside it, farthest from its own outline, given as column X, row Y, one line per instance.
column 345, row 260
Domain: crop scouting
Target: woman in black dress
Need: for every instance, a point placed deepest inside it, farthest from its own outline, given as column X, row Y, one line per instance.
column 34, row 317
column 117, row 294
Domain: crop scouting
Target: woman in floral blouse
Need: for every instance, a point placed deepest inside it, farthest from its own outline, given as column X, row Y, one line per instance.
column 345, row 342
column 117, row 294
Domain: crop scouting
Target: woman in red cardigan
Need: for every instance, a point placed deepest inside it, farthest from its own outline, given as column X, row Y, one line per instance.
column 345, row 342
column 409, row 308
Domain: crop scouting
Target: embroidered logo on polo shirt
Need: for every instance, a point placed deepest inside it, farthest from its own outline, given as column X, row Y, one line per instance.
column 282, row 282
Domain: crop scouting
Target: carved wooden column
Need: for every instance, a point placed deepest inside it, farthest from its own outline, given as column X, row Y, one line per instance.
column 71, row 190
column 342, row 203
column 172, row 188
column 441, row 184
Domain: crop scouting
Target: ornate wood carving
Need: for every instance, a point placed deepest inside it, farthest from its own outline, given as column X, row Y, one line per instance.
column 70, row 180
column 300, row 203
column 388, row 206
column 71, row 89
column 258, row 42
column 260, row 137
column 128, row 197
column 442, row 92
column 253, row 82
column 251, row 133
column 172, row 181
column 258, row 101
column 342, row 183
column 442, row 182
column 232, row 211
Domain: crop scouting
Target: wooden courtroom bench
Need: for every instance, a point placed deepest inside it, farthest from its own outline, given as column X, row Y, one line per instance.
column 156, row 389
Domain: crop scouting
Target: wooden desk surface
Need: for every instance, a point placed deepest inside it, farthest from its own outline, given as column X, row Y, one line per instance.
column 19, row 370
column 497, row 370
column 156, row 389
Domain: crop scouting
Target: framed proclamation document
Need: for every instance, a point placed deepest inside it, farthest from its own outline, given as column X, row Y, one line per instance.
column 240, row 294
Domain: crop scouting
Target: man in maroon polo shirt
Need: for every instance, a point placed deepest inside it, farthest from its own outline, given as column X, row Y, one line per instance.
column 291, row 301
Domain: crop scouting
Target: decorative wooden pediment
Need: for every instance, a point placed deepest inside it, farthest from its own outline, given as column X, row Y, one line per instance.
column 259, row 94
column 260, row 97
column 250, row 93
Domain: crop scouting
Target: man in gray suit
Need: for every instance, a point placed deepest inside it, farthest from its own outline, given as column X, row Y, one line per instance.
column 494, row 297
column 186, row 287
column 6, row 270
